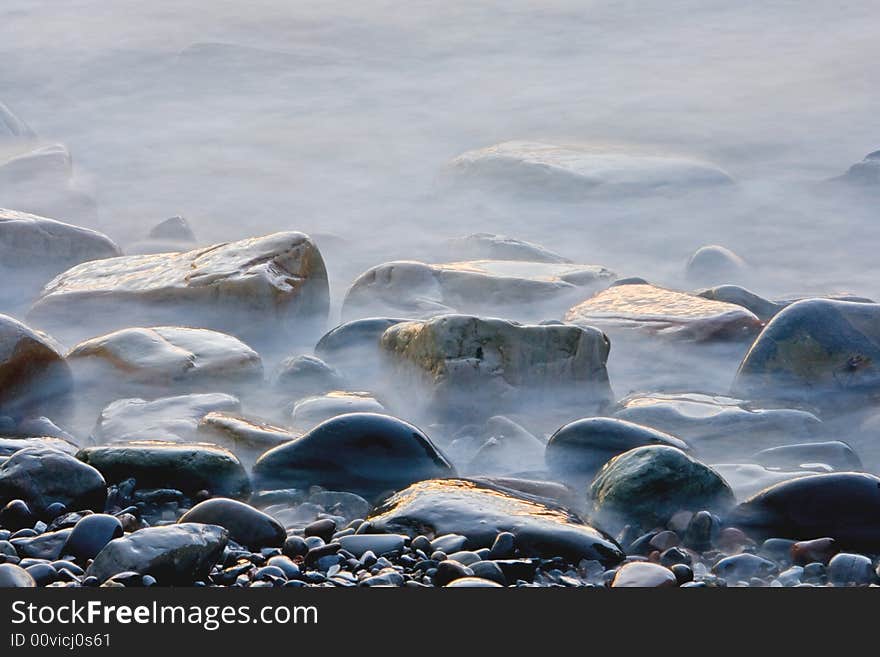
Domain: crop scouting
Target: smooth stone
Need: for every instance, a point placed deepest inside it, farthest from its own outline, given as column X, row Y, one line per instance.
column 646, row 486
column 311, row 411
column 279, row 279
column 659, row 311
column 465, row 557
column 364, row 453
column 642, row 574
column 504, row 546
column 508, row 448
column 175, row 555
column 577, row 171
column 34, row 377
column 323, row 528
column 176, row 417
column 354, row 346
column 448, row 543
column 11, row 445
column 472, row 365
column 188, row 467
column 579, row 449
column 844, row 506
column 378, row 544
column 816, row 550
column 865, row 174
column 45, row 546
column 12, row 576
column 16, row 515
column 480, row 512
column 416, row 289
column 834, row 453
column 295, row 546
column 43, row 573
column 488, row 246
column 43, row 476
column 290, row 569
column 818, row 351
column 743, row 566
column 449, row 571
column 91, row 534
column 246, row 525
column 850, row 570
column 763, row 308
column 714, row 264
column 174, row 228
column 747, row 480
column 472, row 583
column 303, row 376
column 245, row 438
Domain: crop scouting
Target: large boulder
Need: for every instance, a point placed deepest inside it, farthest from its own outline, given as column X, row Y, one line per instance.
column 174, row 555
column 844, row 506
column 819, row 351
column 520, row 289
column 245, row 438
column 578, row 171
column 363, row 453
column 865, row 173
column 34, row 377
column 479, row 367
column 647, row 308
column 42, row 476
column 262, row 288
column 579, row 449
column 309, row 412
column 646, row 486
column 479, row 512
column 187, row 467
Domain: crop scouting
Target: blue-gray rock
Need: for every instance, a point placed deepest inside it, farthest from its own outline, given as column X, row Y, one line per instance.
column 246, row 525
column 12, row 576
column 743, row 566
column 378, row 544
column 846, row 569
column 91, row 534
column 473, row 583
column 834, row 453
column 45, row 546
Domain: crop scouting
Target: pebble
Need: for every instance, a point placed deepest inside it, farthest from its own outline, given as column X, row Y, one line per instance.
column 379, row 544
column 16, row 515
column 846, row 569
column 643, row 574
column 448, row 571
column 246, row 525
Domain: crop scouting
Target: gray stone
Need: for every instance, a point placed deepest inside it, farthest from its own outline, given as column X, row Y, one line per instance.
column 715, row 264
column 246, row 525
column 641, row 574
column 12, row 576
column 834, row 453
column 488, row 246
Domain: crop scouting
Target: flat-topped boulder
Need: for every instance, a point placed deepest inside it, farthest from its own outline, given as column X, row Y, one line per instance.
column 656, row 310
column 311, row 411
column 166, row 355
column 817, row 351
column 246, row 438
column 418, row 289
column 489, row 246
column 187, row 467
column 481, row 366
column 576, row 171
column 260, row 287
column 479, row 512
column 34, row 377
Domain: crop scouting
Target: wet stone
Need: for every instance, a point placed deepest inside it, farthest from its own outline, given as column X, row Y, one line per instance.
column 90, row 534
column 644, row 575
column 12, row 576
column 246, row 525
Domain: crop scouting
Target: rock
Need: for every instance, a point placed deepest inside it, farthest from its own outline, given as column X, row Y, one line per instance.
column 278, row 279
column 449, row 571
column 44, row 546
column 247, row 439
column 863, row 174
column 763, row 308
column 363, row 453
column 166, row 355
column 323, row 528
column 716, row 426
column 91, row 534
column 578, row 171
column 12, row 576
column 525, row 289
column 647, row 485
column 844, row 506
column 850, row 570
column 16, row 515
column 655, row 310
column 819, row 550
column 175, row 228
column 488, row 246
column 9, row 446
column 43, row 476
column 472, row 583
column 579, row 449
column 378, row 544
column 834, row 453
column 489, row 570
column 480, row 512
column 34, row 377
column 190, row 468
column 743, row 566
column 175, row 418
column 508, row 448
column 472, row 365
column 748, row 479
column 353, row 347
column 820, row 351
column 311, row 411
column 175, row 555
column 714, row 264
column 246, row 525
column 302, row 376
column 644, row 575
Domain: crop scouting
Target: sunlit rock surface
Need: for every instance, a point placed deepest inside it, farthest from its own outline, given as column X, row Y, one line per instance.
column 819, row 351
column 417, row 289
column 576, row 171
column 187, row 467
column 489, row 246
column 311, row 411
column 479, row 512
column 717, row 426
column 656, row 310
column 478, row 367
column 175, row 418
column 164, row 355
column 261, row 287
column 246, row 438
column 34, row 377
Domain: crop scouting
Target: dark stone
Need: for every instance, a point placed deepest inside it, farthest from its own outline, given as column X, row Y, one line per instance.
column 12, row 576
column 16, row 515
column 324, row 528
column 91, row 534
column 850, row 570
column 489, row 570
column 45, row 546
column 43, row 573
column 246, row 525
column 504, row 546
column 42, row 476
column 295, row 546
column 702, row 531
column 363, row 453
column 682, row 572
column 578, row 450
column 448, row 571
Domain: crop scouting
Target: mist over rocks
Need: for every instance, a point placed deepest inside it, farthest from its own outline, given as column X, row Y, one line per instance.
column 477, row 367
column 309, row 412
column 572, row 172
column 416, row 289
column 246, row 438
column 354, row 348
column 488, row 246
column 279, row 278
column 12, row 128
column 715, row 264
column 505, row 447
column 300, row 376
column 170, row 235
column 864, row 174
column 654, row 310
column 763, row 308
column 749, row 479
